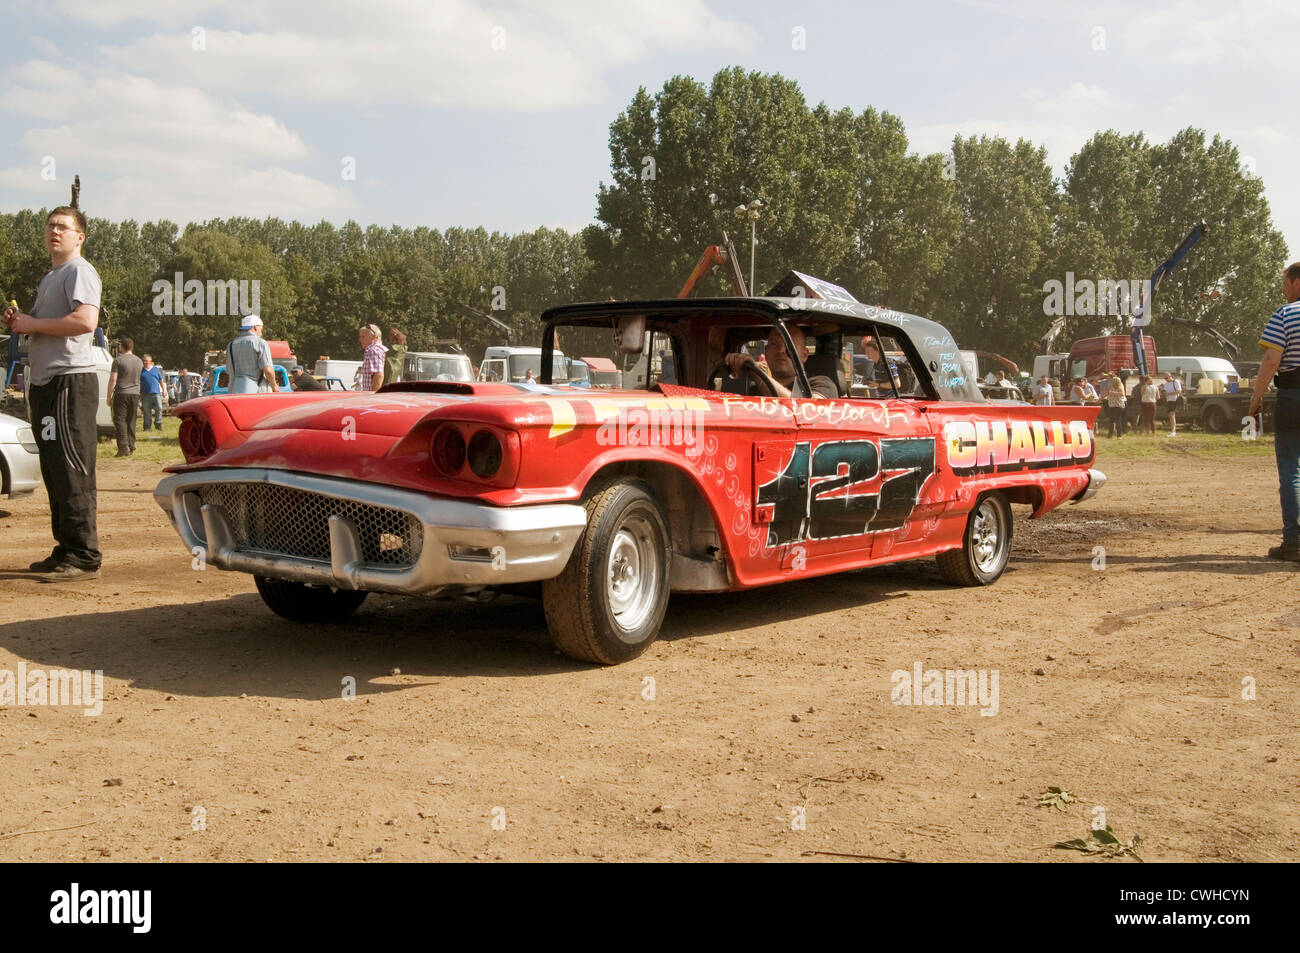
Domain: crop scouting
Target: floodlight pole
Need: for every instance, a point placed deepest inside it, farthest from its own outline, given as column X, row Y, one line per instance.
column 751, row 212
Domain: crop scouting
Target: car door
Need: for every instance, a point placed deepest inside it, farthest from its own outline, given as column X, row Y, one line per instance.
column 871, row 463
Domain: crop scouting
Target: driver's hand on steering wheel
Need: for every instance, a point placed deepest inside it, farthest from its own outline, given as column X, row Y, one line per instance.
column 736, row 362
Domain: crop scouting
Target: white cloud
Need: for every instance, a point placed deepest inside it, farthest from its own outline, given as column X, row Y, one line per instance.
column 1237, row 33
column 146, row 150
column 455, row 54
column 118, row 12
column 1077, row 98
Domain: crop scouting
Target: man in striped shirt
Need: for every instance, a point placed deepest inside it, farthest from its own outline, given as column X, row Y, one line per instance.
column 1281, row 343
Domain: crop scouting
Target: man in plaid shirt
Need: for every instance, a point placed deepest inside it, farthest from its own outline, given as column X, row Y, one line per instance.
column 372, row 361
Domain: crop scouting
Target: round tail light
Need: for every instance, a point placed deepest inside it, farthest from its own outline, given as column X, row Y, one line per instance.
column 448, row 449
column 196, row 439
column 485, row 454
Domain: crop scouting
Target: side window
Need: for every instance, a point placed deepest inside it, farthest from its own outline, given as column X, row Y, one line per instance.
column 663, row 359
column 883, row 369
column 905, row 379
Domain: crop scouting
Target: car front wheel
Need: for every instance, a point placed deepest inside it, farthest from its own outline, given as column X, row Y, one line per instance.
column 608, row 603
column 299, row 602
column 986, row 545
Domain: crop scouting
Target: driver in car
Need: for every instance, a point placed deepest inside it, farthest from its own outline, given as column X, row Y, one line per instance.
column 781, row 368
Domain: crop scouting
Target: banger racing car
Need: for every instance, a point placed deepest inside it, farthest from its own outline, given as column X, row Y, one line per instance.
column 688, row 479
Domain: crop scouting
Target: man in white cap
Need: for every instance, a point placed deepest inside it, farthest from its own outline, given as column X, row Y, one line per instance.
column 248, row 360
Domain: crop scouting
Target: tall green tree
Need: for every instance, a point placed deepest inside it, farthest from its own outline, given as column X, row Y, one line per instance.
column 1004, row 247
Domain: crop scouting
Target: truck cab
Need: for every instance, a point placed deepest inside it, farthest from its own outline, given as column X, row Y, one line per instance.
column 1221, row 376
column 436, row 366
column 514, row 364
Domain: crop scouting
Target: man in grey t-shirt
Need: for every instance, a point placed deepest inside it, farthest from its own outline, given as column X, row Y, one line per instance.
column 64, row 394
column 124, row 395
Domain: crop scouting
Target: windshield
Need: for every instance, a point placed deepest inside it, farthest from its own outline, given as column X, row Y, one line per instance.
column 440, row 368
column 521, row 364
column 610, row 367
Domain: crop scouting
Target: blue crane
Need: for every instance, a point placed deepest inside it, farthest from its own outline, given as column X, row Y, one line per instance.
column 1143, row 315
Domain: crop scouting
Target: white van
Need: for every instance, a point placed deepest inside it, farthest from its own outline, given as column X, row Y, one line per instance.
column 346, row 371
column 436, row 366
column 1193, row 369
column 513, row 364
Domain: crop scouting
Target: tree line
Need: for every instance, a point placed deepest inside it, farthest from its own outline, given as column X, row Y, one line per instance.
column 970, row 238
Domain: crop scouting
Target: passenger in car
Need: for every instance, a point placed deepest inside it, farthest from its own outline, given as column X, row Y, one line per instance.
column 881, row 376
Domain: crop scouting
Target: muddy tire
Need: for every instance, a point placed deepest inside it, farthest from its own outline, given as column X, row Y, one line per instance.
column 299, row 602
column 608, row 603
column 986, row 544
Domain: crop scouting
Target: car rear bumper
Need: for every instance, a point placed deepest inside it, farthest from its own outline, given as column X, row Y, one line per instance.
column 24, row 467
column 1096, row 480
column 354, row 535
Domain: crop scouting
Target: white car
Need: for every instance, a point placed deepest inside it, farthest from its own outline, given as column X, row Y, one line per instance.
column 20, row 467
column 103, row 413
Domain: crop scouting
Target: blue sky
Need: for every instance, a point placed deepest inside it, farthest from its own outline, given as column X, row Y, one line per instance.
column 497, row 114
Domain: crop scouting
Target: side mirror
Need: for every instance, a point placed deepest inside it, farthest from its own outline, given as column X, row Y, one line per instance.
column 629, row 334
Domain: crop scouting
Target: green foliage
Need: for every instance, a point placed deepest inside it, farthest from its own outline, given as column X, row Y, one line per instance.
column 1056, row 797
column 1003, row 250
column 1129, row 205
column 1103, row 843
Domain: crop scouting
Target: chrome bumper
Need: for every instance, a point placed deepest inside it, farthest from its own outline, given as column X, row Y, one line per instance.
column 463, row 544
column 1096, row 480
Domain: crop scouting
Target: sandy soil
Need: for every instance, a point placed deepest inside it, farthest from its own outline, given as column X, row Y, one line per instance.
column 1123, row 686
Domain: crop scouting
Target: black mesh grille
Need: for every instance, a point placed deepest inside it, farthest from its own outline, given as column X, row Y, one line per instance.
column 292, row 522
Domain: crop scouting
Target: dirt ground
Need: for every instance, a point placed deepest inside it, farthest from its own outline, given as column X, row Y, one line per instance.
column 768, row 730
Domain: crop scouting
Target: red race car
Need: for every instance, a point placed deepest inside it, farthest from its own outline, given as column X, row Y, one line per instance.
column 748, row 445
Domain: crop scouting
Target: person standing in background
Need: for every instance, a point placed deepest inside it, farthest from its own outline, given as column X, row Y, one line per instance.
column 372, row 359
column 1042, row 394
column 124, row 395
column 396, row 355
column 1150, row 394
column 1173, row 389
column 248, row 360
column 1281, row 343
column 64, row 393
column 151, row 389
column 1115, row 404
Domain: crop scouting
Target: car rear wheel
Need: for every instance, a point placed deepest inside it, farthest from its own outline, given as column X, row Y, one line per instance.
column 608, row 603
column 299, row 602
column 986, row 545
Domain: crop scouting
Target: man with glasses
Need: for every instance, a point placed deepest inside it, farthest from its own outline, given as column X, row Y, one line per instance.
column 64, row 395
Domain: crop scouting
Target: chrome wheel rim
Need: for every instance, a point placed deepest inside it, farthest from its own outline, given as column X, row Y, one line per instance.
column 632, row 573
column 986, row 536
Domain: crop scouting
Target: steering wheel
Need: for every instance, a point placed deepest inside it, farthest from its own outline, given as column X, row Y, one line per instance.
column 766, row 386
